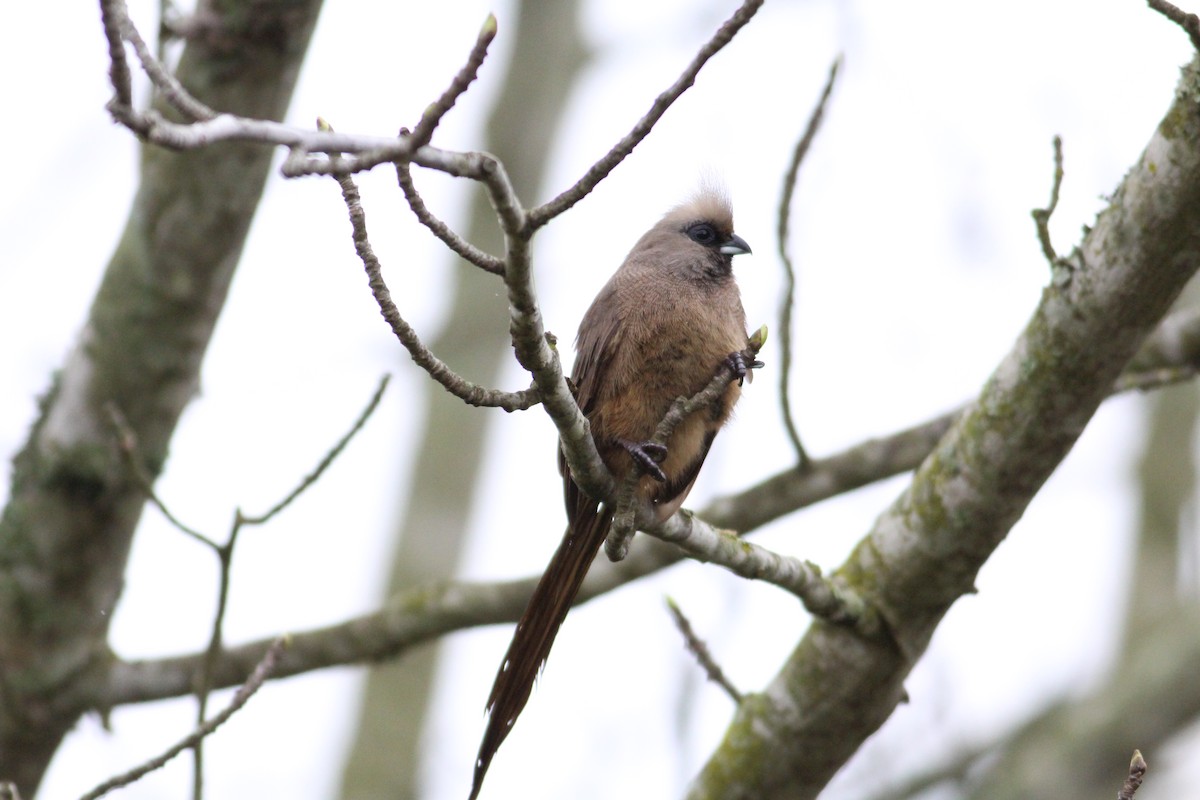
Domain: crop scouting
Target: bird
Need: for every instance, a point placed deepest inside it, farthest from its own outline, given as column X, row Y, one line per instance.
column 662, row 326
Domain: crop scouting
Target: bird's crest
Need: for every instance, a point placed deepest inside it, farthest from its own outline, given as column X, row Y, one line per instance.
column 710, row 202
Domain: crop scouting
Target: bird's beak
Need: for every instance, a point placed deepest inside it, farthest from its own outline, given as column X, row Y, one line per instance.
column 735, row 246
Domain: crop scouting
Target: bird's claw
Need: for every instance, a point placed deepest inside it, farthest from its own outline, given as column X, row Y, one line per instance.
column 737, row 363
column 647, row 456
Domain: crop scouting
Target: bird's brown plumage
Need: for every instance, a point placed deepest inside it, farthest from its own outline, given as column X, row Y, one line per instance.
column 659, row 329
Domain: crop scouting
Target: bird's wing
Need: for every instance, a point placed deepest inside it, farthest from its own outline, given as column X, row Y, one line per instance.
column 600, row 334
column 599, row 339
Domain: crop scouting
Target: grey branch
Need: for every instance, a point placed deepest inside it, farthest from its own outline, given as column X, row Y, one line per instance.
column 426, row 612
column 1041, row 216
column 829, row 600
column 258, row 677
column 787, row 303
column 1189, row 22
column 429, row 611
column 468, row 251
column 421, row 355
column 699, row 649
column 599, row 171
column 1137, row 771
column 465, row 77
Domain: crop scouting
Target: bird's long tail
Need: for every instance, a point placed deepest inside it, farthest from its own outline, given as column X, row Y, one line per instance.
column 535, row 633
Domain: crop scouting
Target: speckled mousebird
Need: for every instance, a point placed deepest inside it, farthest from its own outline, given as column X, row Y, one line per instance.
column 659, row 329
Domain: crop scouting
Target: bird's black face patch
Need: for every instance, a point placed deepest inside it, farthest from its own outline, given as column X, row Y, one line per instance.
column 703, row 233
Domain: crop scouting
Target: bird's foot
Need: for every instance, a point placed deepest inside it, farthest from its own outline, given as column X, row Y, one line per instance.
column 647, row 456
column 736, row 361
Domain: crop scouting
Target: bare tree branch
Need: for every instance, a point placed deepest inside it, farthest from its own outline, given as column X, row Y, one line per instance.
column 1041, row 216
column 224, row 552
column 830, row 600
column 1137, row 771
column 118, row 71
column 1173, row 348
column 599, row 171
column 462, row 81
column 699, row 649
column 348, row 154
column 438, row 370
column 326, row 461
column 207, row 127
column 1189, row 22
column 167, row 84
column 128, row 444
column 466, row 250
column 429, row 611
column 787, row 303
column 257, row 678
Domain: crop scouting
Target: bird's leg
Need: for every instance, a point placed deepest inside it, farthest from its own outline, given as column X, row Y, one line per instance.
column 736, row 361
column 647, row 456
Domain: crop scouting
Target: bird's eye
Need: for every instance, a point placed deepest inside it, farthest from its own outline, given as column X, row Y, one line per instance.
column 702, row 233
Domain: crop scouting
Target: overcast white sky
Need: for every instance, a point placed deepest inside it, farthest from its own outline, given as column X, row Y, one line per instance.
column 919, row 265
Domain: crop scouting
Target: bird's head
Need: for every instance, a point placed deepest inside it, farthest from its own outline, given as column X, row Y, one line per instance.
column 697, row 236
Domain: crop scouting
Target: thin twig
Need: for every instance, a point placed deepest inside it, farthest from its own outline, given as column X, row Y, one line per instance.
column 597, row 172
column 166, row 83
column 112, row 12
column 247, row 690
column 699, row 649
column 361, row 152
column 127, row 442
column 1041, row 216
column 329, row 458
column 782, row 237
column 1189, row 22
column 1148, row 380
column 533, row 346
column 438, row 109
column 1137, row 771
column 216, row 642
column 128, row 445
column 166, row 12
column 461, row 388
column 469, row 252
column 225, row 560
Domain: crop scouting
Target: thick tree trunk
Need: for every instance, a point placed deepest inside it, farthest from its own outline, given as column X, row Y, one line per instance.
column 73, row 508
